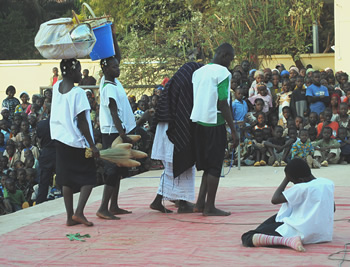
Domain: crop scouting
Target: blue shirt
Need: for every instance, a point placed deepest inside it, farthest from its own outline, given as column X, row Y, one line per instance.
column 239, row 110
column 314, row 90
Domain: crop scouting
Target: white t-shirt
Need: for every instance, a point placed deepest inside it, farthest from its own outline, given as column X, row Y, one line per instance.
column 115, row 91
column 64, row 121
column 205, row 92
column 309, row 211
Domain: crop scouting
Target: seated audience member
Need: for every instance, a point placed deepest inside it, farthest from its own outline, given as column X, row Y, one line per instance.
column 258, row 148
column 278, row 148
column 327, row 123
column 344, row 141
column 304, row 150
column 344, row 119
column 251, row 117
column 263, row 94
column 312, row 121
column 327, row 149
column 13, row 199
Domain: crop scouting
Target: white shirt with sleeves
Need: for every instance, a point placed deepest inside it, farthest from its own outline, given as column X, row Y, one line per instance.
column 308, row 212
column 115, row 91
column 64, row 116
column 205, row 92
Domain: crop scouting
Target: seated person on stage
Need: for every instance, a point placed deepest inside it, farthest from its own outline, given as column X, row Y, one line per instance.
column 327, row 150
column 306, row 215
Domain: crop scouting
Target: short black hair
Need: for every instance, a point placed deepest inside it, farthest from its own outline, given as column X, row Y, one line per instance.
column 297, row 169
column 286, row 108
column 9, row 88
column 259, row 99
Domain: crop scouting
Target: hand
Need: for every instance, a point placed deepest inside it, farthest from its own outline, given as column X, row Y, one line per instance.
column 235, row 140
column 95, row 152
column 126, row 139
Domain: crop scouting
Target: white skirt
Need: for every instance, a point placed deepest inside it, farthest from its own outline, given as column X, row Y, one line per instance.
column 181, row 187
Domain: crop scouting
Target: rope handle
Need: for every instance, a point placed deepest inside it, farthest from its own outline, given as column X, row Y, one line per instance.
column 90, row 9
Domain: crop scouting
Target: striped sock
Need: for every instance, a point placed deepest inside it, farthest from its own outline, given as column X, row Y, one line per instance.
column 261, row 240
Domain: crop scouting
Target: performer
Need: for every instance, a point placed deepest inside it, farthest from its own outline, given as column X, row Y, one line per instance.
column 70, row 126
column 306, row 215
column 116, row 119
column 173, row 142
column 211, row 108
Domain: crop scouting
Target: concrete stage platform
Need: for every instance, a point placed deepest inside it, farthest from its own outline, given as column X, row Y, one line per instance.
column 36, row 236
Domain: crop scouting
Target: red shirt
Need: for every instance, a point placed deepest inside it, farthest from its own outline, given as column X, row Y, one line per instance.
column 334, row 125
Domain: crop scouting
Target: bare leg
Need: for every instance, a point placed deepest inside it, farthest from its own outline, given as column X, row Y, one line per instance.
column 103, row 212
column 157, row 205
column 68, row 202
column 79, row 212
column 199, row 206
column 210, row 209
column 114, row 208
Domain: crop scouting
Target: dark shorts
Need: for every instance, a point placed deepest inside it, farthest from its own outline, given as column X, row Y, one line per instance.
column 113, row 173
column 210, row 145
column 268, row 227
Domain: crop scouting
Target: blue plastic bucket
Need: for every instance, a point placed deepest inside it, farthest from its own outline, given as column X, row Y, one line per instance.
column 104, row 46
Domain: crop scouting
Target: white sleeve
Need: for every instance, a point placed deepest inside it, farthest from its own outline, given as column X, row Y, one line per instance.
column 295, row 195
column 81, row 102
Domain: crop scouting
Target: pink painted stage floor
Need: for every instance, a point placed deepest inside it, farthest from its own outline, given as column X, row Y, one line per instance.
column 149, row 238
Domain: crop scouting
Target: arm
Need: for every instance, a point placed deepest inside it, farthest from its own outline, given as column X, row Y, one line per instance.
column 278, row 196
column 84, row 128
column 118, row 54
column 226, row 113
column 116, row 120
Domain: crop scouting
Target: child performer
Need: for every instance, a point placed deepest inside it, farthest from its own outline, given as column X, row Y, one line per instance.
column 306, row 215
column 116, row 119
column 70, row 126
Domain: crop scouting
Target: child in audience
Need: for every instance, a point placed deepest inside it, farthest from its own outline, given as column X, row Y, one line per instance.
column 259, row 78
column 21, row 182
column 24, row 129
column 263, row 94
column 283, row 98
column 12, row 154
column 298, row 101
column 18, row 165
column 239, row 106
column 327, row 123
column 327, row 150
column 306, row 215
column 13, row 198
column 28, row 146
column 276, row 87
column 304, row 150
column 312, row 121
column 261, row 121
column 299, row 122
column 344, row 141
column 344, row 119
column 258, row 148
column 334, row 105
column 278, row 148
column 286, row 112
column 251, row 117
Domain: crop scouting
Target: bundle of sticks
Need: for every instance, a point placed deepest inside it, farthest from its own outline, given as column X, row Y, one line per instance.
column 121, row 153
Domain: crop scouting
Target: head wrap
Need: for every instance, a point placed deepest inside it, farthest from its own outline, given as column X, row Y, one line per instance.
column 308, row 70
column 88, row 90
column 275, row 70
column 294, row 68
column 284, row 72
column 297, row 168
column 24, row 92
column 251, row 71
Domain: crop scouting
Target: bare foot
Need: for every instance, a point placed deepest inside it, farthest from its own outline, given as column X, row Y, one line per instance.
column 71, row 222
column 106, row 215
column 215, row 212
column 160, row 208
column 81, row 219
column 185, row 207
column 198, row 208
column 119, row 211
